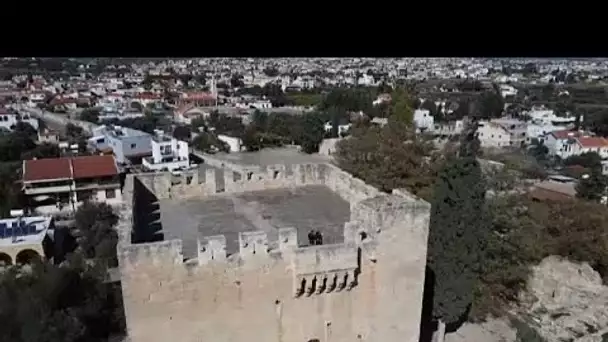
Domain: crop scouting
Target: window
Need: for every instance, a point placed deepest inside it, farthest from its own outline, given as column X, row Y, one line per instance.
column 111, row 193
column 133, row 145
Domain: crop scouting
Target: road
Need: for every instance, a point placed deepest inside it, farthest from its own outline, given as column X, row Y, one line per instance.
column 239, row 111
column 58, row 121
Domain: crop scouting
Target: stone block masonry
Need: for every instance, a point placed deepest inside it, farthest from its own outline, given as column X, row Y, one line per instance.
column 366, row 288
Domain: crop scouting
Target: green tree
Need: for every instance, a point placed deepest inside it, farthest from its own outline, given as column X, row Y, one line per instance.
column 430, row 106
column 313, row 132
column 90, row 115
column 182, row 133
column 525, row 231
column 491, row 105
column 389, row 157
column 457, row 233
column 283, row 125
column 590, row 160
column 402, row 106
column 251, row 139
column 260, row 120
column 592, row 187
column 68, row 303
column 95, row 224
column 44, row 150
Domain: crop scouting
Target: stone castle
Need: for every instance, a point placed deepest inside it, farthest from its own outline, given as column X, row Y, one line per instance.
column 271, row 286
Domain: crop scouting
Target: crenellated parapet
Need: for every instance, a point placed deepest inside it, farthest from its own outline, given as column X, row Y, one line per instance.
column 253, row 243
column 188, row 184
column 315, row 269
column 155, row 254
column 211, row 248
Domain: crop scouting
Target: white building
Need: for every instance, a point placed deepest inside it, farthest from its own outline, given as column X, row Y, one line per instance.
column 548, row 117
column 261, row 104
column 507, row 90
column 185, row 114
column 9, row 121
column 234, row 144
column 341, row 128
column 565, row 143
column 448, row 129
column 502, row 133
column 423, row 119
column 57, row 185
column 118, row 115
column 493, row 135
column 168, row 154
column 22, row 238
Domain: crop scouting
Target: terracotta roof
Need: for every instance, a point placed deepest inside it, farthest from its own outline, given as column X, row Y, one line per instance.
column 563, row 134
column 68, row 168
column 198, row 96
column 592, row 142
column 94, row 166
column 46, row 169
column 148, row 96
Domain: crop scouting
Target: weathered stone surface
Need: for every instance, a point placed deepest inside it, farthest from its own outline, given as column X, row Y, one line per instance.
column 355, row 289
column 494, row 330
column 568, row 301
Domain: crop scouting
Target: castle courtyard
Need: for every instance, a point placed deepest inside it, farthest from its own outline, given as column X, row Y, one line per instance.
column 305, row 208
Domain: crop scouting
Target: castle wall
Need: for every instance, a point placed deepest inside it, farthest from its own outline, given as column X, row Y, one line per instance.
column 187, row 185
column 366, row 289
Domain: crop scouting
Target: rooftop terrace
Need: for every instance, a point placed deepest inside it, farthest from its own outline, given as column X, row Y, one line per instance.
column 305, row 208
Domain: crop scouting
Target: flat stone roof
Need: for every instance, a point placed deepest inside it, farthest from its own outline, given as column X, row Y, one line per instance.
column 305, row 208
column 269, row 156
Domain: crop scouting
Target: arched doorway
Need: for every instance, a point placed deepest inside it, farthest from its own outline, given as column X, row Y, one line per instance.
column 5, row 260
column 27, row 256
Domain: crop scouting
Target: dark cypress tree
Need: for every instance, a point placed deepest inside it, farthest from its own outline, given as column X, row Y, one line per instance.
column 593, row 187
column 457, row 232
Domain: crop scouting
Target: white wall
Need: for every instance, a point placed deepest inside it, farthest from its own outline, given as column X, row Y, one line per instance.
column 8, row 120
column 233, row 143
column 490, row 135
column 183, row 151
column 423, row 119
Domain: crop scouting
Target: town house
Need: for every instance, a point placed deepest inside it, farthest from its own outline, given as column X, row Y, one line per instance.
column 58, row 185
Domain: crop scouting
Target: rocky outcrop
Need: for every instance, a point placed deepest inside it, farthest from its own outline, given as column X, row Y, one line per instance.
column 564, row 302
column 567, row 301
column 493, row 330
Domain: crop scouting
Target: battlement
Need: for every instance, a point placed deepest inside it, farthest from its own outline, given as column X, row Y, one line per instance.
column 367, row 203
column 256, row 275
column 156, row 253
column 188, row 184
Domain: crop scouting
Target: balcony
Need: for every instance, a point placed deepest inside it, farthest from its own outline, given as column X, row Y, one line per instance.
column 170, row 164
column 44, row 190
column 99, row 185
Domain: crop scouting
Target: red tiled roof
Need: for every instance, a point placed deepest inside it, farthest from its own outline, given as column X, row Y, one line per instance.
column 66, row 168
column 592, row 142
column 148, row 96
column 94, row 166
column 563, row 134
column 46, row 169
column 198, row 96
column 65, row 100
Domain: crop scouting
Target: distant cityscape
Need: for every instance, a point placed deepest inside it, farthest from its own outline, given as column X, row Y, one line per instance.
column 300, row 199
